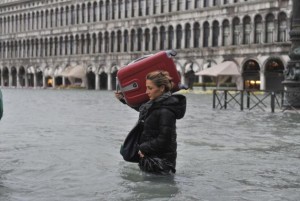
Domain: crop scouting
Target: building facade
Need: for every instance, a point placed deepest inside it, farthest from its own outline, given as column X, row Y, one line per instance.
column 51, row 43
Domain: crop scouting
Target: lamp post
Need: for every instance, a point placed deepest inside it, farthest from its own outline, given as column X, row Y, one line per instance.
column 291, row 82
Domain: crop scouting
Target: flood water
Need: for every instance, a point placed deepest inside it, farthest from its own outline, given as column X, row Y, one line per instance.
column 63, row 145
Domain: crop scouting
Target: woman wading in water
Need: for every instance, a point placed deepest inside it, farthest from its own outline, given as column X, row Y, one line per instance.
column 158, row 144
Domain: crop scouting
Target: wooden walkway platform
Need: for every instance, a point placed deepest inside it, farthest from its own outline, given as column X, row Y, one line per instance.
column 251, row 99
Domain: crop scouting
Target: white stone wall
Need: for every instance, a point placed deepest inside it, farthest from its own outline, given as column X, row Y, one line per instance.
column 51, row 34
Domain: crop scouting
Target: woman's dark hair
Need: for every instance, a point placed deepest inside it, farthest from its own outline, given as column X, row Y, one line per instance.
column 161, row 78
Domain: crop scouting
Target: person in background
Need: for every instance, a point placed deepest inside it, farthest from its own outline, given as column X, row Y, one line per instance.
column 190, row 76
column 159, row 138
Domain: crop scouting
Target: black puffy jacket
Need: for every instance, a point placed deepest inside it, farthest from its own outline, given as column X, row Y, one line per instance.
column 159, row 135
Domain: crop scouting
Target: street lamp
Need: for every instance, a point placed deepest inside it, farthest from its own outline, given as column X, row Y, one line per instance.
column 291, row 82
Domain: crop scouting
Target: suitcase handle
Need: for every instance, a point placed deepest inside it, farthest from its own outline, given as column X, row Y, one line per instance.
column 171, row 53
column 129, row 87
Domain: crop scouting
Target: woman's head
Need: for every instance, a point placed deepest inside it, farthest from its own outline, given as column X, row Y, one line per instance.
column 157, row 83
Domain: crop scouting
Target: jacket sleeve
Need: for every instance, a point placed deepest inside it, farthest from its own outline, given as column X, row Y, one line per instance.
column 165, row 136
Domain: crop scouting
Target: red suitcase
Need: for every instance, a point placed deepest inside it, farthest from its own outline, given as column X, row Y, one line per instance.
column 132, row 78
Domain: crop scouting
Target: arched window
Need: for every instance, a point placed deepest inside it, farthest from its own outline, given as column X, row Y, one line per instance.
column 147, row 39
column 163, row 6
column 178, row 36
column 155, row 6
column 77, row 14
column 112, row 41
column 171, row 5
column 56, row 17
column 126, row 38
column 106, row 42
column 62, row 16
column 141, row 7
column 83, row 9
column 47, row 16
column 188, row 5
column 197, row 3
column 55, row 46
column 73, row 15
column 171, row 37
column 258, row 29
column 88, row 44
column 133, row 7
column 162, row 33
column 95, row 12
column 270, row 27
column 51, row 47
column 179, row 5
column 67, row 16
column 33, row 21
column 225, row 33
column 119, row 41
column 114, row 9
column 67, row 48
column 120, row 9
column 246, row 30
column 154, row 38
column 205, row 3
column 236, row 31
column 282, row 27
column 51, row 18
column 24, row 22
column 147, row 5
column 82, row 44
column 187, row 36
column 100, row 42
column 16, row 24
column 89, row 12
column 46, row 47
column 215, row 2
column 28, row 23
column 126, row 8
column 196, row 35
column 140, row 39
column 216, row 34
column 94, row 43
column 205, row 34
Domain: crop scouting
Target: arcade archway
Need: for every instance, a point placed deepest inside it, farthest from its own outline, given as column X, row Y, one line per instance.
column 274, row 74
column 251, row 75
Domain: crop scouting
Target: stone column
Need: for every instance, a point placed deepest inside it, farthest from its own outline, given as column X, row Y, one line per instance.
column 109, row 87
column 97, row 81
column 292, row 73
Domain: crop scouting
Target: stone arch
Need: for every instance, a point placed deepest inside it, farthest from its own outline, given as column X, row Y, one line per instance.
column 22, row 76
column 251, row 74
column 103, row 78
column 13, row 72
column 91, row 77
column 273, row 69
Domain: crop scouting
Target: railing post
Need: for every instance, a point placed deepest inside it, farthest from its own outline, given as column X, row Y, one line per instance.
column 282, row 99
column 242, row 100
column 225, row 99
column 272, row 101
column 248, row 99
column 214, row 99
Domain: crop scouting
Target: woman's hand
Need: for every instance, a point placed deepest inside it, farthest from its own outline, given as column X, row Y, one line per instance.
column 141, row 154
column 119, row 95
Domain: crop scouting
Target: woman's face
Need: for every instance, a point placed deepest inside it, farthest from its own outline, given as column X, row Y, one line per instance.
column 153, row 91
